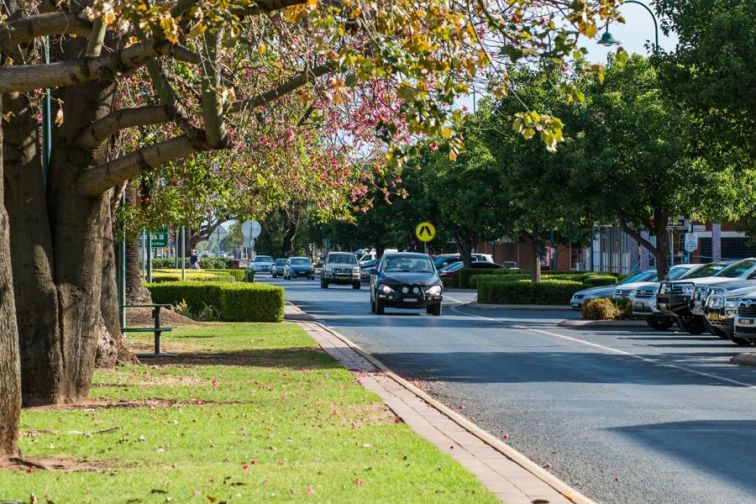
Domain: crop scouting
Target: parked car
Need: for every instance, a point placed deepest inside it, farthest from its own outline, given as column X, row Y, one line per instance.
column 406, row 280
column 685, row 297
column 607, row 291
column 721, row 307
column 745, row 321
column 366, row 268
column 278, row 267
column 451, row 269
column 262, row 263
column 643, row 297
column 340, row 268
column 299, row 267
column 443, row 260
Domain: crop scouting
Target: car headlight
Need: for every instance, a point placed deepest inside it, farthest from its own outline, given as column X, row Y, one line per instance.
column 356, row 269
column 688, row 289
column 329, row 269
column 434, row 291
column 714, row 302
column 665, row 288
column 385, row 289
column 732, row 303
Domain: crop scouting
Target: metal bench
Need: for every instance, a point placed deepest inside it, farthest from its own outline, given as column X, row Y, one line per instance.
column 157, row 329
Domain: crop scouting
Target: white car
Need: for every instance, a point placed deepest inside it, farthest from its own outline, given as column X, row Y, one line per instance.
column 262, row 263
column 644, row 297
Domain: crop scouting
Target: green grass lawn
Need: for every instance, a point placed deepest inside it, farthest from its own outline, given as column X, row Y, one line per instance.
column 254, row 413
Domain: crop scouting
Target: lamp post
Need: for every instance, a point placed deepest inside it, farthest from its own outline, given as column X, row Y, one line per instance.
column 608, row 40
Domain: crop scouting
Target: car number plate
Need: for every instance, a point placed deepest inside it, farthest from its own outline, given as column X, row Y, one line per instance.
column 410, row 300
column 714, row 316
column 746, row 321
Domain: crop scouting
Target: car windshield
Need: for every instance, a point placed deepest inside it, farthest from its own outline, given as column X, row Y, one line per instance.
column 705, row 271
column 341, row 259
column 676, row 273
column 300, row 261
column 451, row 268
column 407, row 264
column 263, row 259
column 737, row 269
column 280, row 262
column 643, row 276
column 443, row 259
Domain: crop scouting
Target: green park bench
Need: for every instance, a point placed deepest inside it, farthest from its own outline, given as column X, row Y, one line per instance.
column 157, row 329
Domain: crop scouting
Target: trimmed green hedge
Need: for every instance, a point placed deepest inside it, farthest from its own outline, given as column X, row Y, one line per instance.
column 244, row 302
column 205, row 263
column 547, row 292
column 475, row 280
column 237, row 302
column 596, row 280
column 161, row 277
column 239, row 275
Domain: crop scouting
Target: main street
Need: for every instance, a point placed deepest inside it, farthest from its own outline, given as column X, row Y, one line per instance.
column 624, row 415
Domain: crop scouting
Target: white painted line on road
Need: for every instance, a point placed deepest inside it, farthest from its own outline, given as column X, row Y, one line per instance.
column 618, row 351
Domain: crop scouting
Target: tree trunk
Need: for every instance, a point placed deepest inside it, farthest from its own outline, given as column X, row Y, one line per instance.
column 10, row 372
column 31, row 254
column 535, row 242
column 136, row 292
column 661, row 252
column 109, row 301
column 465, row 247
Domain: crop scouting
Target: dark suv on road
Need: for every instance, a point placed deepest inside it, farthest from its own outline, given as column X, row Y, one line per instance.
column 406, row 280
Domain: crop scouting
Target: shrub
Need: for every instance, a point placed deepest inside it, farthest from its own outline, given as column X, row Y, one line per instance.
column 547, row 292
column 217, row 263
column 252, row 303
column 238, row 274
column 234, row 301
column 476, row 280
column 191, row 276
column 600, row 309
column 461, row 279
column 624, row 307
column 596, row 280
column 506, row 271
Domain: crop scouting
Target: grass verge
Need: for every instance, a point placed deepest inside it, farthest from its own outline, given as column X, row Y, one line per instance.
column 251, row 412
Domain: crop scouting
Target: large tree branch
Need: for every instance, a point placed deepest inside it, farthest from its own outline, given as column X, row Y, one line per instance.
column 212, row 106
column 283, row 89
column 26, row 29
column 257, row 7
column 66, row 73
column 636, row 235
column 99, row 179
column 103, row 128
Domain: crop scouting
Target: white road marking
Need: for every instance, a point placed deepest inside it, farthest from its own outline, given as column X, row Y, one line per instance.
column 617, row 351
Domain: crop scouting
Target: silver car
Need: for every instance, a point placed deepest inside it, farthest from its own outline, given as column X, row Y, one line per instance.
column 607, row 291
column 340, row 268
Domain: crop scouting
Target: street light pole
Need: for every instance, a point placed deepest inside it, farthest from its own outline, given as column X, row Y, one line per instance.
column 608, row 40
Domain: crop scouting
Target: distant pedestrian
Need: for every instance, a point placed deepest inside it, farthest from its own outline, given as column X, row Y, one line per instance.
column 194, row 260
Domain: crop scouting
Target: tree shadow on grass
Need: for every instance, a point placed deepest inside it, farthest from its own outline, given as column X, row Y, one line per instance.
column 294, row 358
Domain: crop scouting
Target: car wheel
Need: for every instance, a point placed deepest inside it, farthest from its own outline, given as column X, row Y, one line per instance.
column 741, row 341
column 380, row 309
column 323, row 284
column 433, row 309
column 356, row 285
column 717, row 331
column 659, row 324
column 692, row 324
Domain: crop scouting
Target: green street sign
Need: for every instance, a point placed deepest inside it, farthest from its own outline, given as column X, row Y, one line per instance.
column 158, row 238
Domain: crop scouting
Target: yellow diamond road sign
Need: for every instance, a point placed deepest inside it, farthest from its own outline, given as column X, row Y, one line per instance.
column 425, row 231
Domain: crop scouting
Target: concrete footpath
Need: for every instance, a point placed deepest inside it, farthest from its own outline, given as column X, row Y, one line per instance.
column 511, row 476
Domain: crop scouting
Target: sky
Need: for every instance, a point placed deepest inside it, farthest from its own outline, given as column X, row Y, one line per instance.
column 634, row 34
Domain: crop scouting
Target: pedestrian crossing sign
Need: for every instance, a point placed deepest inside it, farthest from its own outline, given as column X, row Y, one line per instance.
column 425, row 231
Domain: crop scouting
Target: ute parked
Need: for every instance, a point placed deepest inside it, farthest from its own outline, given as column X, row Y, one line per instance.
column 721, row 308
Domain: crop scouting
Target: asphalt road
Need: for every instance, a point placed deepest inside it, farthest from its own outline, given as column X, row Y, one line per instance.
column 625, row 416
